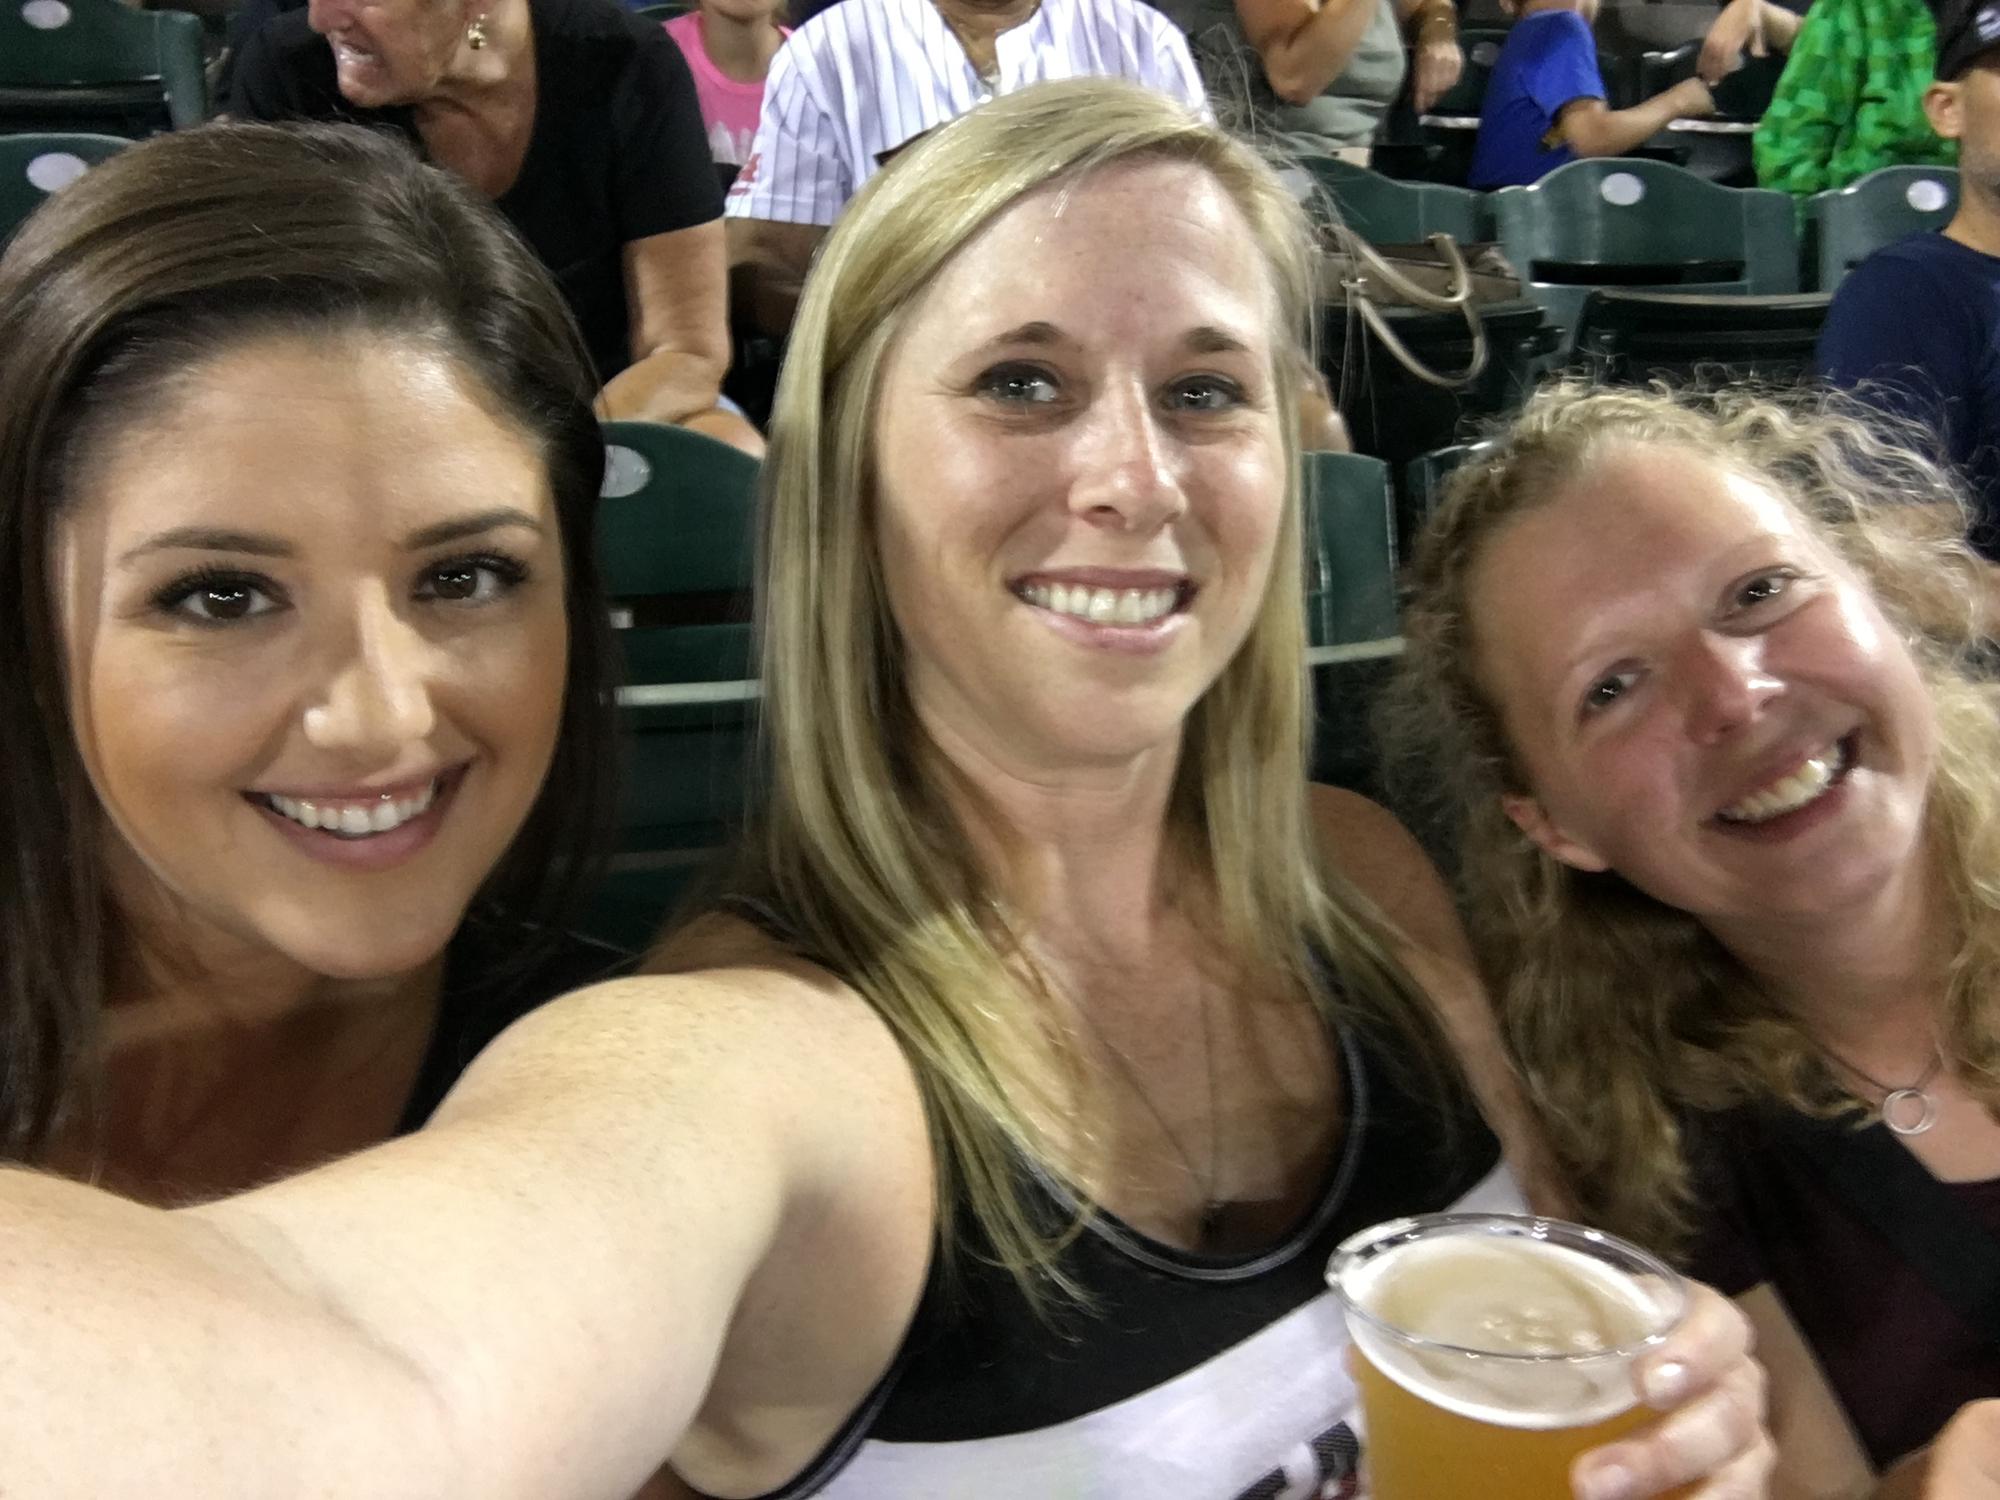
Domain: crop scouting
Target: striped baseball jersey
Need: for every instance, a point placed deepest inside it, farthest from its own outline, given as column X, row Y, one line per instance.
column 864, row 78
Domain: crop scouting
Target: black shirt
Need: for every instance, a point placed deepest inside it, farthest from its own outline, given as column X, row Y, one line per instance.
column 618, row 151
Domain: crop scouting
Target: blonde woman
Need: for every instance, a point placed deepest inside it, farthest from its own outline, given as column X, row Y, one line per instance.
column 991, row 1141
column 1698, row 680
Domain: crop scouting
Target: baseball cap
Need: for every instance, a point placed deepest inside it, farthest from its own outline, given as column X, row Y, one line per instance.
column 1965, row 30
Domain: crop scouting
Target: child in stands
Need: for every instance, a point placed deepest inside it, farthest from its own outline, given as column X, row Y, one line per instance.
column 729, row 45
column 1545, row 104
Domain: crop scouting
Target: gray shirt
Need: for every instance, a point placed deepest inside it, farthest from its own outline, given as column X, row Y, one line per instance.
column 1349, row 111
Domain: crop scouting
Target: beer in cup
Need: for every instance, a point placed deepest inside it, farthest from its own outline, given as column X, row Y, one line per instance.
column 1491, row 1349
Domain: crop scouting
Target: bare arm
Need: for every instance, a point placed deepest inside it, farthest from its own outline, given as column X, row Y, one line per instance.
column 677, row 294
column 1592, row 128
column 1437, row 60
column 527, row 1299
column 1754, row 26
column 1304, row 46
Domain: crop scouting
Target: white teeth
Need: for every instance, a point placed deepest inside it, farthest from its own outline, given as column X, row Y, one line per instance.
column 1802, row 786
column 1102, row 606
column 355, row 819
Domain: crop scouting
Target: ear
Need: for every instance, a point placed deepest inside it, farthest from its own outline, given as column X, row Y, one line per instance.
column 1942, row 107
column 1528, row 815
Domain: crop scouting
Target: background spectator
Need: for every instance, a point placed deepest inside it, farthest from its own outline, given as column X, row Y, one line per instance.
column 581, row 122
column 1915, row 328
column 1752, row 28
column 1851, row 97
column 1319, row 77
column 1545, row 103
column 729, row 45
column 858, row 83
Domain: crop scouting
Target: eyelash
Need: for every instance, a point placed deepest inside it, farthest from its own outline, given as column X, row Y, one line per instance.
column 1782, row 578
column 993, row 382
column 173, row 598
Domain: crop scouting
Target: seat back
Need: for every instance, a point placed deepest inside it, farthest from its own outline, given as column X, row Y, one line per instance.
column 1627, row 222
column 34, row 166
column 1423, row 485
column 1847, row 225
column 1627, row 336
column 677, row 545
column 1385, row 211
column 1350, row 539
column 97, row 65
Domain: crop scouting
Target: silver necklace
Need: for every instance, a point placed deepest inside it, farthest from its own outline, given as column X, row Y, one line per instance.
column 1208, row 1226
column 1908, row 1109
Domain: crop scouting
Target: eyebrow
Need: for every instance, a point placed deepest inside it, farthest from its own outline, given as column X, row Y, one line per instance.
column 1204, row 338
column 257, row 544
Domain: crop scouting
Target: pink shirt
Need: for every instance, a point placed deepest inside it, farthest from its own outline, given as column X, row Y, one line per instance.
column 728, row 108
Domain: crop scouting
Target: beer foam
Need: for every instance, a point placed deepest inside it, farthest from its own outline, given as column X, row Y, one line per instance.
column 1494, row 1295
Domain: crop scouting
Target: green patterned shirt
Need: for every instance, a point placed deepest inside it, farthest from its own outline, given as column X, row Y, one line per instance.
column 1851, row 98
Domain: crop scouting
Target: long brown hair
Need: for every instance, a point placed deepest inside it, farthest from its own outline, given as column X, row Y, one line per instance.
column 163, row 256
column 1625, row 1011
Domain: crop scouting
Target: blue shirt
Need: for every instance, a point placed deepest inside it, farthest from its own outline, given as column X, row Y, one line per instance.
column 1916, row 329
column 1549, row 59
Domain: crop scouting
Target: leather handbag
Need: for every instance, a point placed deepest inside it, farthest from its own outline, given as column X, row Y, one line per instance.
column 1438, row 276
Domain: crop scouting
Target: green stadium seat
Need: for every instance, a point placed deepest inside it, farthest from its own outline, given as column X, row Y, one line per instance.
column 34, row 166
column 1423, row 485
column 1385, row 211
column 1350, row 536
column 99, row 66
column 677, row 546
column 1847, row 225
column 1616, row 221
column 1351, row 624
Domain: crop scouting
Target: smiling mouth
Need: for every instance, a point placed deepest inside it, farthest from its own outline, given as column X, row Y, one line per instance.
column 347, row 52
column 1101, row 606
column 1800, row 787
column 356, row 818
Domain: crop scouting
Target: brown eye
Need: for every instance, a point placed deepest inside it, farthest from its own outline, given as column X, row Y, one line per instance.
column 459, row 582
column 215, row 598
column 471, row 580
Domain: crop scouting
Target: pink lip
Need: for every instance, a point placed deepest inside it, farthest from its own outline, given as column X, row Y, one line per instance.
column 1791, row 825
column 1135, row 640
column 381, row 851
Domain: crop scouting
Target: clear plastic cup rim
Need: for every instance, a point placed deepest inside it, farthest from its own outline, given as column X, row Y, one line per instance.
column 1526, row 1226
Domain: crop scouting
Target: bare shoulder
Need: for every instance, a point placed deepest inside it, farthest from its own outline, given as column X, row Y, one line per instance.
column 743, row 1025
column 1365, row 843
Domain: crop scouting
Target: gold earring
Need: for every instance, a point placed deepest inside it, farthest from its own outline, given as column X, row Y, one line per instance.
column 475, row 33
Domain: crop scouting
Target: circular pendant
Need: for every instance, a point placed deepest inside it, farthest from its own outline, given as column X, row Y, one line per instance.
column 1909, row 1111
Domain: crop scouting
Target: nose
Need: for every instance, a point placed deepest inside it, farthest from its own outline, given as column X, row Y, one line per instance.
column 1126, row 479
column 1725, row 684
column 376, row 697
column 327, row 16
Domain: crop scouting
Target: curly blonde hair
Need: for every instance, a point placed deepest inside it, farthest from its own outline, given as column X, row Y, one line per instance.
column 1625, row 1012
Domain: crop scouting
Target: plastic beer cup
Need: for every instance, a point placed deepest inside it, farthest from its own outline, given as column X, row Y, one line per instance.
column 1491, row 1349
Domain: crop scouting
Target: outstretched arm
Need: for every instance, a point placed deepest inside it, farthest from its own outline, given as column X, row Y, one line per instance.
column 526, row 1299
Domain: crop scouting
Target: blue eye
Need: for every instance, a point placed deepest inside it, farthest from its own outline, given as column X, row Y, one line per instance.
column 213, row 596
column 1205, row 393
column 1025, row 385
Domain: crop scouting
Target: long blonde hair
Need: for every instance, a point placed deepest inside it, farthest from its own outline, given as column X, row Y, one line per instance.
column 856, row 847
column 1626, row 1012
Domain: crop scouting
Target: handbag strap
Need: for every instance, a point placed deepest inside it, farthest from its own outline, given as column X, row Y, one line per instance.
column 1458, row 300
column 1896, row 1196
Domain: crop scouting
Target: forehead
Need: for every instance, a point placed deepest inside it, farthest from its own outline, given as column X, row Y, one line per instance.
column 1129, row 248
column 1641, row 528
column 297, row 432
